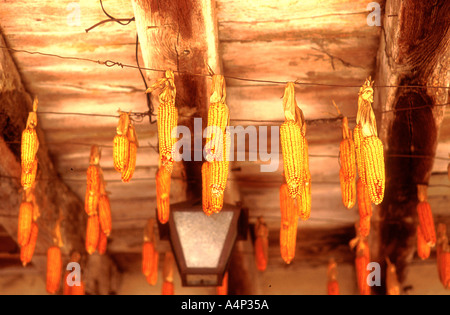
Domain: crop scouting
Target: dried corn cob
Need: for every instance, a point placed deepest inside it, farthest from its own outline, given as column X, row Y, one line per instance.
column 373, row 155
column 292, row 151
column 29, row 148
column 28, row 176
column 152, row 278
column 304, row 199
column 364, row 208
column 206, row 189
column 361, row 262
column 392, row 284
column 148, row 253
column 167, row 288
column 25, row 222
column 121, row 144
column 92, row 234
column 128, row 171
column 54, row 269
column 357, row 137
column 347, row 173
column 223, row 289
column 163, row 194
column 423, row 249
column 261, row 244
column 332, row 285
column 348, row 191
column 27, row 251
column 102, row 243
column 104, row 214
column 289, row 221
column 426, row 222
column 443, row 255
column 93, row 183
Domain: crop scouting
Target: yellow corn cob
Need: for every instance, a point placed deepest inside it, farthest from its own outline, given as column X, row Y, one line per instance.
column 304, row 198
column 373, row 155
column 121, row 151
column 25, row 222
column 167, row 121
column 426, row 222
column 92, row 189
column 218, row 171
column 29, row 148
column 392, row 284
column 128, row 171
column 293, row 153
column 347, row 159
column 423, row 249
column 92, row 234
column 163, row 194
column 218, row 116
column 289, row 221
column 27, row 251
column 206, row 189
column 28, row 176
column 348, row 191
column 104, row 214
column 358, row 137
column 54, row 268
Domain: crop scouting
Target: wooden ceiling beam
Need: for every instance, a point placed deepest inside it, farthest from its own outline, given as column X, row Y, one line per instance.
column 414, row 50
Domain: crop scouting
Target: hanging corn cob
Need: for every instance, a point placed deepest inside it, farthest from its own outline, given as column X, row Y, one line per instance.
column 364, row 208
column 347, row 173
column 92, row 233
column 332, row 284
column 128, row 171
column 223, row 289
column 163, row 177
column 261, row 244
column 148, row 248
column 152, row 278
column 392, row 284
column 104, row 208
column 25, row 222
column 73, row 289
column 121, row 144
column 357, row 139
column 361, row 261
column 426, row 221
column 168, row 287
column 443, row 255
column 167, row 118
column 206, row 189
column 102, row 243
column 54, row 269
column 423, row 249
column 218, row 142
column 93, row 182
column 295, row 151
column 289, row 221
column 29, row 148
column 27, row 251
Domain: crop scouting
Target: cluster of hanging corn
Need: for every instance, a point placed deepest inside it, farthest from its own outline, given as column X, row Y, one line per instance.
column 97, row 206
column 369, row 148
column 29, row 148
column 295, row 193
column 443, row 255
column 27, row 231
column 218, row 142
column 261, row 244
column 167, row 122
column 125, row 146
column 332, row 284
column 150, row 256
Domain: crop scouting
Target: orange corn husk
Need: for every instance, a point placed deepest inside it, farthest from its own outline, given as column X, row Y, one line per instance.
column 373, row 155
column 168, row 288
column 152, row 278
column 443, row 255
column 128, row 171
column 357, row 137
column 206, row 189
column 423, row 249
column 27, row 251
column 148, row 253
column 104, row 214
column 93, row 182
column 289, row 220
column 102, row 243
column 332, row 284
column 223, row 289
column 28, row 176
column 54, row 268
column 392, row 284
column 25, row 222
column 92, row 234
column 361, row 261
column 261, row 244
column 426, row 222
column 163, row 177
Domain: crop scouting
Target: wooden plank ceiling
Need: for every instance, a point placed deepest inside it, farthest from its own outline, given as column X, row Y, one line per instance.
column 327, row 42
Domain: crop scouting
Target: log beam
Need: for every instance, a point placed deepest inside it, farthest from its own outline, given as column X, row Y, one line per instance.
column 414, row 50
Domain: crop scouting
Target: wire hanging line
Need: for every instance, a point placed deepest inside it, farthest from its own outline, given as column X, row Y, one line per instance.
column 111, row 63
